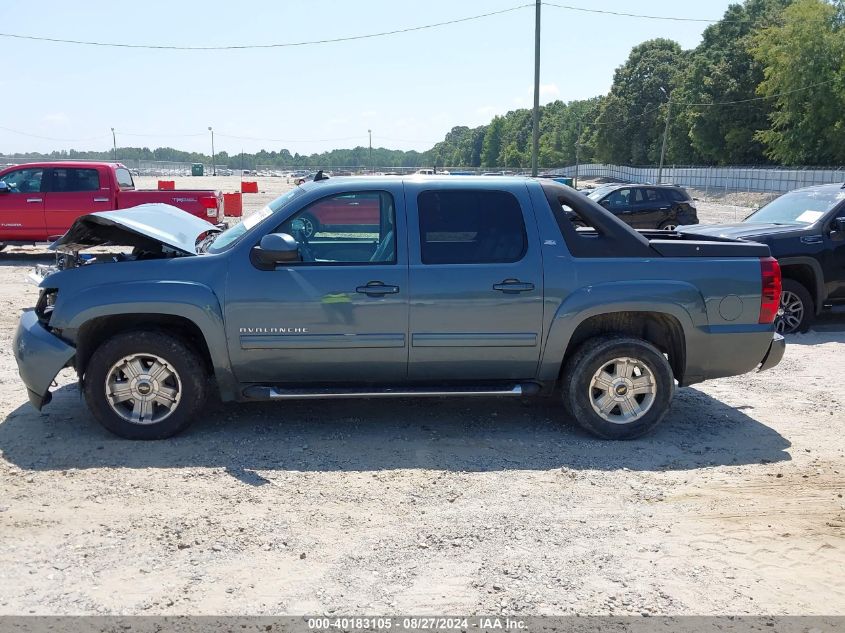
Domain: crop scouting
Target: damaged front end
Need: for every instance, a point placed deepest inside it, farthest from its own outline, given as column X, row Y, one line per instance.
column 151, row 231
column 40, row 355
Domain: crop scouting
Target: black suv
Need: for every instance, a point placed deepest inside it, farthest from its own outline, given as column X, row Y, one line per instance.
column 805, row 230
column 647, row 206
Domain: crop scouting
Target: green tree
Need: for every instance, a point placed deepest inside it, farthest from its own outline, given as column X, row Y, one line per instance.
column 724, row 69
column 492, row 145
column 806, row 49
column 630, row 124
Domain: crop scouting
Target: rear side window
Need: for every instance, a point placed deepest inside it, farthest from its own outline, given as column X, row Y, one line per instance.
column 678, row 195
column 70, row 179
column 653, row 195
column 470, row 227
column 124, row 178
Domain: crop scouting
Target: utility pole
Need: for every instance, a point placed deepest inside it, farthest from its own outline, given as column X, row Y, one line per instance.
column 535, row 132
column 665, row 135
column 213, row 166
column 372, row 167
column 114, row 145
column 577, row 149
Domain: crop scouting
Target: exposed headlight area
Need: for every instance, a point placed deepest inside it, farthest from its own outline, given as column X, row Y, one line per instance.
column 45, row 305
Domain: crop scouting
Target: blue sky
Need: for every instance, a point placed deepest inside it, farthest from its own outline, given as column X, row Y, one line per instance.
column 410, row 89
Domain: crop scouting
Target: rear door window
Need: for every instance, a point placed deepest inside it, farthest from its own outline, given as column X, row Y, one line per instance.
column 470, row 227
column 653, row 195
column 70, row 179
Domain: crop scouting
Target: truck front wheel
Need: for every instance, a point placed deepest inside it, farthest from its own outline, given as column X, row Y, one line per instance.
column 145, row 385
column 796, row 310
column 618, row 387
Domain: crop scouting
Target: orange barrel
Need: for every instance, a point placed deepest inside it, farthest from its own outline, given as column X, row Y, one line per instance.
column 166, row 185
column 233, row 205
column 249, row 186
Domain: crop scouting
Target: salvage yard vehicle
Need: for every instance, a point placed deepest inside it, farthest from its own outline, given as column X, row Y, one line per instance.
column 474, row 286
column 648, row 206
column 40, row 201
column 805, row 230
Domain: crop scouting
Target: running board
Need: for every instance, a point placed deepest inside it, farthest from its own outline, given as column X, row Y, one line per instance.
column 261, row 392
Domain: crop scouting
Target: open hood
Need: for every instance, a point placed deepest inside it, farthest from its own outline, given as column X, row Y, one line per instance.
column 147, row 226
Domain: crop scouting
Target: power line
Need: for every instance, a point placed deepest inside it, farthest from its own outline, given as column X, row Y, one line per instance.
column 291, row 140
column 774, row 96
column 162, row 134
column 630, row 15
column 258, row 46
column 53, row 138
column 716, row 103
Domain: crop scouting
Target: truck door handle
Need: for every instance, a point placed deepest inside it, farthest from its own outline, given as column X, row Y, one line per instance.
column 101, row 199
column 377, row 288
column 35, row 200
column 513, row 286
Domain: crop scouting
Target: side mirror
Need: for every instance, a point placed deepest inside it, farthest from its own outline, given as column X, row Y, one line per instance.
column 4, row 187
column 838, row 227
column 605, row 203
column 277, row 248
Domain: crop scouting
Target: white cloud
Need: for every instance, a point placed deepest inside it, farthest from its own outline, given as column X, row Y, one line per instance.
column 549, row 91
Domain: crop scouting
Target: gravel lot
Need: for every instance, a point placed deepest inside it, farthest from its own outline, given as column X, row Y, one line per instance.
column 734, row 506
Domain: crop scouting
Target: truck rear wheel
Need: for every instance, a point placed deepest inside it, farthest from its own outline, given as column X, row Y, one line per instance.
column 145, row 385
column 618, row 387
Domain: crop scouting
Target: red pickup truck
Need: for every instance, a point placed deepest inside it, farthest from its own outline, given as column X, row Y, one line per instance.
column 39, row 201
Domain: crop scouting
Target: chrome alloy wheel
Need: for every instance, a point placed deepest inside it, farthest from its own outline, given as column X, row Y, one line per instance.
column 670, row 227
column 623, row 390
column 143, row 388
column 790, row 313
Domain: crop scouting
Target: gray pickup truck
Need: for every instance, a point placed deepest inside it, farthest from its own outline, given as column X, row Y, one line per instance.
column 419, row 286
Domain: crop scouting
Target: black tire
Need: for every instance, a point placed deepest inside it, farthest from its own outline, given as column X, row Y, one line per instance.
column 788, row 321
column 189, row 369
column 597, row 353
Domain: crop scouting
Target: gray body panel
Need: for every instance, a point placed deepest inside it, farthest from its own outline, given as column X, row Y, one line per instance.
column 306, row 324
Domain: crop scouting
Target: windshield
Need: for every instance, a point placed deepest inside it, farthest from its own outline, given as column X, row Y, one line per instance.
column 227, row 238
column 598, row 192
column 797, row 207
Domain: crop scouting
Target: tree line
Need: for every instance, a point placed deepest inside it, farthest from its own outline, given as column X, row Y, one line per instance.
column 766, row 85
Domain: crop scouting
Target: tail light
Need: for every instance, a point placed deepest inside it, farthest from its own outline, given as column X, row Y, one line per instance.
column 209, row 203
column 770, row 300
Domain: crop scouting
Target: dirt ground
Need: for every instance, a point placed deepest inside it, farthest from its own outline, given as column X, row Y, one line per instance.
column 735, row 505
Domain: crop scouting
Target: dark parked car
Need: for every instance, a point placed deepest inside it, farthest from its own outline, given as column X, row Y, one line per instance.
column 647, row 206
column 805, row 230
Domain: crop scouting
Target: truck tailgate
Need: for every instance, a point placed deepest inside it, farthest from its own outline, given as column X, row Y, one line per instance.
column 205, row 204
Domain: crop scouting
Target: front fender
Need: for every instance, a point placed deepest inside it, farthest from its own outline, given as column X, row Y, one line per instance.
column 813, row 264
column 674, row 298
column 193, row 301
